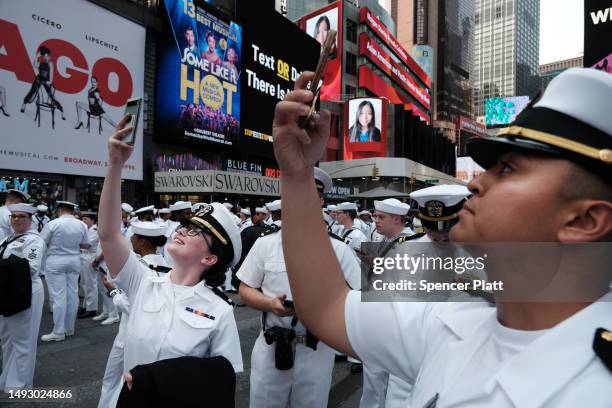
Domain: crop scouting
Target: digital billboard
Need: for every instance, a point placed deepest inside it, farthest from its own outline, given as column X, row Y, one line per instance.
column 64, row 83
column 597, row 34
column 317, row 24
column 502, row 111
column 365, row 128
column 199, row 75
column 270, row 67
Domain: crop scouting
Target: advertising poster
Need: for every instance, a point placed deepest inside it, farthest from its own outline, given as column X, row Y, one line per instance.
column 424, row 56
column 503, row 110
column 365, row 128
column 270, row 68
column 598, row 34
column 317, row 24
column 199, row 75
column 64, row 84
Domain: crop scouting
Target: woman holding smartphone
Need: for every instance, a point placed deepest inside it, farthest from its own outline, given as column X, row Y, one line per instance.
column 181, row 313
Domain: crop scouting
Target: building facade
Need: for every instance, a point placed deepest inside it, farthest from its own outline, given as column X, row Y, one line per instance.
column 447, row 26
column 552, row 69
column 506, row 52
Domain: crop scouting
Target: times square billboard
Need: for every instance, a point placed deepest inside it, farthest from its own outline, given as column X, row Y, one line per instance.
column 198, row 75
column 218, row 80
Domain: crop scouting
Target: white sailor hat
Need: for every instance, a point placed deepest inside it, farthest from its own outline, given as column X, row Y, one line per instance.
column 274, row 205
column 216, row 219
column 322, row 180
column 364, row 212
column 571, row 121
column 90, row 214
column 392, row 206
column 127, row 208
column 332, row 207
column 42, row 208
column 26, row 208
column 325, row 210
column 246, row 212
column 149, row 208
column 346, row 206
column 180, row 205
column 439, row 205
column 229, row 206
column 149, row 229
column 261, row 210
column 164, row 211
column 24, row 196
column 65, row 204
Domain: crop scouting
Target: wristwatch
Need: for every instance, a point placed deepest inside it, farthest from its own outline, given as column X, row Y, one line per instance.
column 114, row 292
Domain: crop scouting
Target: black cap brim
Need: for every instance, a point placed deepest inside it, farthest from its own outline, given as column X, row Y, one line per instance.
column 487, row 151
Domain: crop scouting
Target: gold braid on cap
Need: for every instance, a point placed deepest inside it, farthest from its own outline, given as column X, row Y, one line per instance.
column 604, row 155
column 211, row 229
column 428, row 218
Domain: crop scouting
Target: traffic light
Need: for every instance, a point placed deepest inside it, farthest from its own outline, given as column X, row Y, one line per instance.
column 412, row 180
column 374, row 171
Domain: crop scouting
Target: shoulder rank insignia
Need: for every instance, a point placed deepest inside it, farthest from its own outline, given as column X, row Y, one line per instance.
column 602, row 345
column 270, row 230
column 222, row 295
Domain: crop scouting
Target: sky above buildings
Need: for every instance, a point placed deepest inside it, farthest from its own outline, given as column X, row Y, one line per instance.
column 561, row 29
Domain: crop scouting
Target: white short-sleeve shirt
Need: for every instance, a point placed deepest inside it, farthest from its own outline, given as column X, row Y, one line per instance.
column 168, row 320
column 441, row 346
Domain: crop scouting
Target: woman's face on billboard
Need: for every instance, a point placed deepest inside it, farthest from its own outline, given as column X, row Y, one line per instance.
column 322, row 29
column 365, row 116
column 211, row 42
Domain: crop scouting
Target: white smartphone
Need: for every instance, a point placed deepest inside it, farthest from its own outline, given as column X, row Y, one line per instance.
column 133, row 108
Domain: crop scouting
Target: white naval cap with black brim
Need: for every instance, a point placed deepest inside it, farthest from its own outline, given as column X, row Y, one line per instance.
column 217, row 221
column 571, row 120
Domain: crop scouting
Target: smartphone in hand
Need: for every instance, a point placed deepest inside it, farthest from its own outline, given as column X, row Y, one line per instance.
column 133, row 108
column 288, row 303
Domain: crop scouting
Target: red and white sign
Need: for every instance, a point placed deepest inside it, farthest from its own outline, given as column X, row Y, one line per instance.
column 386, row 64
column 64, row 80
column 468, row 125
column 365, row 16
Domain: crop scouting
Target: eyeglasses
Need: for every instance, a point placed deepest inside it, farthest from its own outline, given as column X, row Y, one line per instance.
column 19, row 217
column 190, row 230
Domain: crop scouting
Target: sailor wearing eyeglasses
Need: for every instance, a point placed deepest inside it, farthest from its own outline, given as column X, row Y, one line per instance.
column 19, row 332
column 181, row 313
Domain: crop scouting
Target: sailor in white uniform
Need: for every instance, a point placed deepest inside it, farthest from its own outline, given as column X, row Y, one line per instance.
column 547, row 179
column 146, row 239
column 65, row 236
column 245, row 218
column 265, row 287
column 40, row 219
column 19, row 332
column 89, row 276
column 13, row 196
column 182, row 313
column 438, row 209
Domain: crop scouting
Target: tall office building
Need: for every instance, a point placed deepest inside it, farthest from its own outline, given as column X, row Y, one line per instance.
column 506, row 51
column 447, row 26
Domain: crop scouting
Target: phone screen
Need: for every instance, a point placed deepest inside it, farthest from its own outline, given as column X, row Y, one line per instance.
column 133, row 108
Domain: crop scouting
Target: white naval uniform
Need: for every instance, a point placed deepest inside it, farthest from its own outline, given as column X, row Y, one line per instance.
column 63, row 237
column 39, row 223
column 5, row 222
column 108, row 307
column 114, row 365
column 460, row 353
column 89, row 276
column 19, row 333
column 245, row 224
column 160, row 326
column 354, row 237
column 307, row 384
